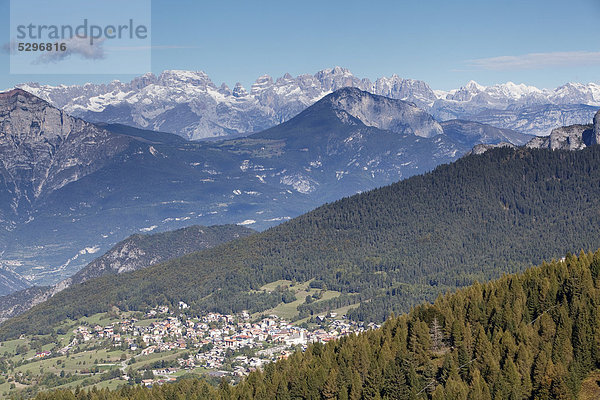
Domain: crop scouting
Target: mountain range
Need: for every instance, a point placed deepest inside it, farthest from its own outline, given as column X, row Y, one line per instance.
column 382, row 251
column 189, row 104
column 141, row 251
column 71, row 189
column 497, row 210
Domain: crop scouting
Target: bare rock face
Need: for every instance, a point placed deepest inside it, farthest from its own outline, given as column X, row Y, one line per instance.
column 568, row 137
column 482, row 148
column 564, row 138
column 44, row 149
column 573, row 137
column 385, row 113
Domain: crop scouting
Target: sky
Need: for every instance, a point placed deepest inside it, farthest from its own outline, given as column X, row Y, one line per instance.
column 544, row 43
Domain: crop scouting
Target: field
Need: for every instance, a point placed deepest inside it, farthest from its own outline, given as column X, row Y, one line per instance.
column 83, row 366
column 289, row 311
column 80, row 355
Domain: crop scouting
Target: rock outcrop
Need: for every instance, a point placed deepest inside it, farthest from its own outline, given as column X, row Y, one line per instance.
column 573, row 137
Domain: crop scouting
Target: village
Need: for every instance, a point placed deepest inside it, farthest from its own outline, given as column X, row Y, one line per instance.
column 221, row 345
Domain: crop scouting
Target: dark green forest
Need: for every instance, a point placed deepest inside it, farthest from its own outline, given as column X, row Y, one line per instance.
column 396, row 246
column 534, row 335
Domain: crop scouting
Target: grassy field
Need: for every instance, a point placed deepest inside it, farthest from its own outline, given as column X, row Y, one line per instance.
column 111, row 384
column 344, row 310
column 166, row 355
column 289, row 311
column 269, row 287
column 73, row 363
column 339, row 311
column 101, row 319
column 4, row 388
column 147, row 322
column 81, row 359
column 10, row 346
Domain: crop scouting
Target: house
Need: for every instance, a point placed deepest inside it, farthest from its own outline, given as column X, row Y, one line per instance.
column 164, row 371
column 296, row 339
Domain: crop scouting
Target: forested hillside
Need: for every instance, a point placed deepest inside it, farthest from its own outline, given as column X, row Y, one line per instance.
column 534, row 335
column 397, row 246
column 136, row 252
column 82, row 196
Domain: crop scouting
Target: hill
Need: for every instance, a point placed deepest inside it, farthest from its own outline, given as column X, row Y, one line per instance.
column 527, row 336
column 136, row 252
column 386, row 249
column 573, row 137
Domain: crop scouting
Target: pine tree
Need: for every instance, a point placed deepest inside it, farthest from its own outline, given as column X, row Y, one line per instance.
column 331, row 388
column 456, row 389
column 559, row 389
column 395, row 385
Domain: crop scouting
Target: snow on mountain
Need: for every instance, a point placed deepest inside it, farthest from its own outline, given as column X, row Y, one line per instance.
column 72, row 187
column 189, row 104
column 519, row 107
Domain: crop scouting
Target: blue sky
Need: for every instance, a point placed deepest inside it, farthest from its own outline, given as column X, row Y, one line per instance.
column 445, row 43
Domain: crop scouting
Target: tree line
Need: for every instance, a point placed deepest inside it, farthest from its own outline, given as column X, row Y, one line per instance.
column 389, row 249
column 534, row 335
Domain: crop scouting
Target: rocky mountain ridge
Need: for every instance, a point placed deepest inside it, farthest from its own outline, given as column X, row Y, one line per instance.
column 86, row 188
column 189, row 104
column 65, row 149
column 572, row 137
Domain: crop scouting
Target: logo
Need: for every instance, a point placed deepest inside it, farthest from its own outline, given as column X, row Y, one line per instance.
column 80, row 37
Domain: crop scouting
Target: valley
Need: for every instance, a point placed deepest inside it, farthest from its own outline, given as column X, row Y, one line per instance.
column 387, row 249
column 315, row 200
column 111, row 349
column 227, row 311
column 493, row 340
column 138, row 181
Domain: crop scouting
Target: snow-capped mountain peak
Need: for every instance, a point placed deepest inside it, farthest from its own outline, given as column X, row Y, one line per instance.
column 474, row 86
column 262, row 83
column 515, row 91
column 180, row 77
column 190, row 104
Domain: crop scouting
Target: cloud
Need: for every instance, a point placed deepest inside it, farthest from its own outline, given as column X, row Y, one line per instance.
column 9, row 47
column 538, row 60
column 76, row 46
